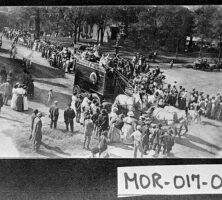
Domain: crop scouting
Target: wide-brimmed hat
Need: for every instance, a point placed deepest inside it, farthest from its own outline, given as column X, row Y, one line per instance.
column 115, row 109
column 39, row 114
column 130, row 114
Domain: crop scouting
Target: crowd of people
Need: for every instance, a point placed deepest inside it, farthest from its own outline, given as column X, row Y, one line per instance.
column 95, row 116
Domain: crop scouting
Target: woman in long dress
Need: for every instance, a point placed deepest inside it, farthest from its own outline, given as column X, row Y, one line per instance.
column 112, row 119
column 20, row 99
column 74, row 99
column 14, row 96
column 25, row 99
column 84, row 108
column 128, row 128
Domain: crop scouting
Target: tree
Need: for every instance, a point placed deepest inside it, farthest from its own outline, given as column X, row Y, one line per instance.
column 73, row 18
column 101, row 17
column 217, row 28
column 203, row 19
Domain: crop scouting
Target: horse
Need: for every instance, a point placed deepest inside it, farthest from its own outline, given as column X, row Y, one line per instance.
column 134, row 103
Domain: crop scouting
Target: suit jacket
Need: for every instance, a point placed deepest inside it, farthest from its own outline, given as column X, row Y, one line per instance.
column 54, row 112
column 37, row 130
column 69, row 114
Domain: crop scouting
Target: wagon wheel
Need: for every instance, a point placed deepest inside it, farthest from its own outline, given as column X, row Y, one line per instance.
column 76, row 89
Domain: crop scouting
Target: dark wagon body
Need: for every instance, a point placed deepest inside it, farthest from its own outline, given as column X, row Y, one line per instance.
column 106, row 85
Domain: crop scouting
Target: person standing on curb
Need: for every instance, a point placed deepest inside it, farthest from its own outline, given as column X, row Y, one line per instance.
column 69, row 115
column 34, row 115
column 88, row 130
column 37, row 132
column 137, row 137
column 54, row 114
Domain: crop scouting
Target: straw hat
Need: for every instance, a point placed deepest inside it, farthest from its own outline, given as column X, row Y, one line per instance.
column 115, row 109
column 39, row 114
column 130, row 114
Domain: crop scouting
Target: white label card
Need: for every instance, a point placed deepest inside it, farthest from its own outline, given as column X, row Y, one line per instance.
column 169, row 180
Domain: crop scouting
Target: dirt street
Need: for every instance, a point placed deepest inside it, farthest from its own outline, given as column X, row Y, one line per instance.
column 203, row 140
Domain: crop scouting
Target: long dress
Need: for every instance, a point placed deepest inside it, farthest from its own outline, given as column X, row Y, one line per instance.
column 127, row 129
column 112, row 134
column 84, row 107
column 14, row 98
column 25, row 102
column 20, row 100
column 73, row 104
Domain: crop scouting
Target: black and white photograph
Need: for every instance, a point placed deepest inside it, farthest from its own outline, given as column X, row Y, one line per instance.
column 111, row 101
column 111, row 81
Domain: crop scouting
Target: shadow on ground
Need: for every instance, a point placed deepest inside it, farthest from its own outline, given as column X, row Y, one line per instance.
column 211, row 124
column 48, row 154
column 201, row 141
column 186, row 142
column 56, row 149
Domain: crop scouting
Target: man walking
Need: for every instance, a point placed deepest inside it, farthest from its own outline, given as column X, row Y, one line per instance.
column 137, row 137
column 54, row 114
column 7, row 89
column 88, row 130
column 69, row 115
column 156, row 138
column 34, row 115
column 37, row 132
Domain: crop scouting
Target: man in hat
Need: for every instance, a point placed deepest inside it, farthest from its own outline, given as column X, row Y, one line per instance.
column 156, row 138
column 78, row 103
column 103, row 121
column 7, row 90
column 145, row 136
column 88, row 130
column 103, row 140
column 69, row 115
column 3, row 75
column 167, row 141
column 33, row 116
column 30, row 89
column 137, row 141
column 37, row 132
column 54, row 114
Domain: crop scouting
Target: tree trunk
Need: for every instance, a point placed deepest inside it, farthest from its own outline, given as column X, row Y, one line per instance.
column 75, row 35
column 190, row 43
column 177, row 47
column 98, row 31
column 101, row 35
column 201, row 47
column 79, row 31
column 219, row 56
column 37, row 23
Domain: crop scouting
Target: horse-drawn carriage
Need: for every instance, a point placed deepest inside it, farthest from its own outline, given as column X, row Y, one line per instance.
column 94, row 78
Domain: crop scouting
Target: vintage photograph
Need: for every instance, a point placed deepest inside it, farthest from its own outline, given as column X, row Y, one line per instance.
column 111, row 81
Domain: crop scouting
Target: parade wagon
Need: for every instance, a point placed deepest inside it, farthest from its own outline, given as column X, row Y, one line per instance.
column 93, row 78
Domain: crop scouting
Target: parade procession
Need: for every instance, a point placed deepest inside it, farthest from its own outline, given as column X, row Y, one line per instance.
column 97, row 92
